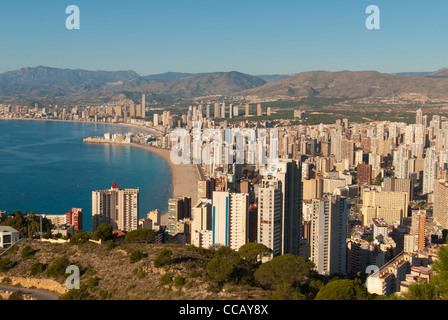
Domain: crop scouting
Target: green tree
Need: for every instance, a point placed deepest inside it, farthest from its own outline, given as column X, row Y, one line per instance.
column 223, row 267
column 104, row 232
column 421, row 291
column 140, row 236
column 251, row 251
column 77, row 294
column 286, row 269
column 343, row 289
column 58, row 267
column 136, row 256
column 27, row 252
column 165, row 257
column 79, row 237
column 37, row 268
column 6, row 264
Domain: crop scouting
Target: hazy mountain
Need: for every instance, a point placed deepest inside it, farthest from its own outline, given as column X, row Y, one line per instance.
column 351, row 84
column 413, row 74
column 63, row 78
column 442, row 73
column 44, row 83
column 169, row 76
column 272, row 77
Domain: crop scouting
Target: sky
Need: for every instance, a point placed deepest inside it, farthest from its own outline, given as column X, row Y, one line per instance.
column 251, row 36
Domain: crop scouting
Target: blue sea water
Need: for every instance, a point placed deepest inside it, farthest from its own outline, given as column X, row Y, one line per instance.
column 45, row 167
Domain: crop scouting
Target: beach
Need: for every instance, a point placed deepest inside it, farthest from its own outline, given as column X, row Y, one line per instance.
column 185, row 177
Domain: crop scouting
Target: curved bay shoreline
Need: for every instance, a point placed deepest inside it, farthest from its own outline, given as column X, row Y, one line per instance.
column 184, row 177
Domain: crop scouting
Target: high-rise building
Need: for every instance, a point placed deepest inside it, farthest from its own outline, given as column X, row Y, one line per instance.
column 329, row 235
column 247, row 113
column 270, row 203
column 230, row 219
column 430, row 171
column 117, row 207
column 364, row 174
column 178, row 209
column 391, row 206
column 259, row 110
column 143, row 112
column 440, row 205
column 74, row 217
column 418, row 229
column 289, row 173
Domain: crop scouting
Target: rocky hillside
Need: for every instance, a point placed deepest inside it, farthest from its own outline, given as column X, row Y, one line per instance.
column 351, row 85
column 108, row 273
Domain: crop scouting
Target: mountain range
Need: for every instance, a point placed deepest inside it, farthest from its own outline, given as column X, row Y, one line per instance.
column 55, row 85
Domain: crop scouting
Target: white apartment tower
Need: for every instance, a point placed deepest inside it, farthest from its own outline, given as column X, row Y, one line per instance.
column 329, row 235
column 269, row 224
column 430, row 170
column 117, row 207
column 230, row 214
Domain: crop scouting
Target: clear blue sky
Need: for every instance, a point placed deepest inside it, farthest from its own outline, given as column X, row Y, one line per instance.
column 251, row 36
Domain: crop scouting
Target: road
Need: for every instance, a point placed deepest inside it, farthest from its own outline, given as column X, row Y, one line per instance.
column 38, row 294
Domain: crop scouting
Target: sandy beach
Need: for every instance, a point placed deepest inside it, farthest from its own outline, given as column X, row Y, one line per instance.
column 185, row 177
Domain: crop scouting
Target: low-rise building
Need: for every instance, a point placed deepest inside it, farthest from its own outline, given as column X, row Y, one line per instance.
column 8, row 236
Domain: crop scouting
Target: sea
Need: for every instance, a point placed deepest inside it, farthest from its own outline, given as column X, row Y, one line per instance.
column 46, row 168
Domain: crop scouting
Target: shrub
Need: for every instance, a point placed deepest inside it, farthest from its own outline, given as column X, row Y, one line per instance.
column 136, row 256
column 165, row 257
column 6, row 264
column 165, row 279
column 37, row 268
column 58, row 267
column 179, row 281
column 16, row 295
column 140, row 236
column 27, row 252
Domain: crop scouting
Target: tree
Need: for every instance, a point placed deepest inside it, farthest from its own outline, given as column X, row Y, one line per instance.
column 104, row 232
column 343, row 289
column 58, row 267
column 79, row 237
column 135, row 256
column 27, row 252
column 251, row 251
column 286, row 269
column 140, row 236
column 223, row 267
column 165, row 257
column 6, row 264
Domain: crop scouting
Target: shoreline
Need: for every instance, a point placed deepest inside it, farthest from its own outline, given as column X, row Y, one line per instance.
column 184, row 177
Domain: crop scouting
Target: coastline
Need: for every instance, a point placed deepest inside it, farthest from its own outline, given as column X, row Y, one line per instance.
column 184, row 177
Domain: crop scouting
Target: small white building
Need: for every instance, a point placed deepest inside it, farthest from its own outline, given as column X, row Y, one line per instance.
column 8, row 236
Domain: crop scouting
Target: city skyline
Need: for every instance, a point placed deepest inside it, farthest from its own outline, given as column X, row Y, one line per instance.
column 251, row 37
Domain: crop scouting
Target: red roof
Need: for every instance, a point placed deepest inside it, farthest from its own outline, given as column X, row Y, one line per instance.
column 114, row 186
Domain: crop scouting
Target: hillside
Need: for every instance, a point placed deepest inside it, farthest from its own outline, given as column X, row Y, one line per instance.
column 53, row 85
column 351, row 84
column 109, row 274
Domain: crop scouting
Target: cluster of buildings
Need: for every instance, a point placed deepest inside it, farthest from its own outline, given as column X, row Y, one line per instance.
column 347, row 196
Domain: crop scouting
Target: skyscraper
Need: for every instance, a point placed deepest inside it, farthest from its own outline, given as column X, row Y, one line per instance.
column 430, row 171
column 270, row 203
column 143, row 112
column 117, row 207
column 74, row 217
column 289, row 174
column 329, row 235
column 230, row 219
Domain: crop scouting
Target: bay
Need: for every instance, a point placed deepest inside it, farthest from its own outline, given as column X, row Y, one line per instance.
column 45, row 167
